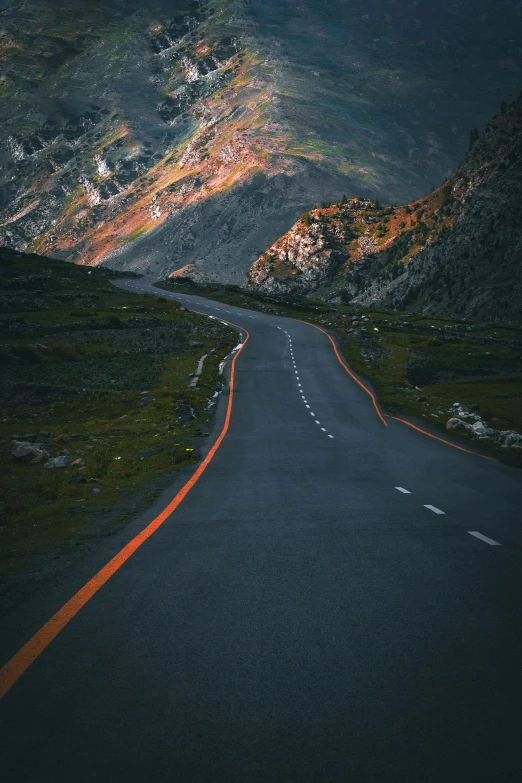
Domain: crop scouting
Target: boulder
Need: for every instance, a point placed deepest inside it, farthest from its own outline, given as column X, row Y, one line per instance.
column 29, row 452
column 479, row 428
column 458, row 425
column 58, row 462
column 23, row 451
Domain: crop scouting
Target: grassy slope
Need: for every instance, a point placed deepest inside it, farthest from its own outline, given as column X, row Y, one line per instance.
column 451, row 361
column 75, row 364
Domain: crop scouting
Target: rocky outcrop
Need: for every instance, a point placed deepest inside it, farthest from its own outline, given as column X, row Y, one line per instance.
column 297, row 263
column 456, row 252
column 474, row 267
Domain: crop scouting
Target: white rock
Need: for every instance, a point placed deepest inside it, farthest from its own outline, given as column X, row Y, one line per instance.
column 479, row 428
column 457, row 424
column 58, row 462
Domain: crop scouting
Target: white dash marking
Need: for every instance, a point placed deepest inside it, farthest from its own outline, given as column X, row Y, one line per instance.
column 330, row 436
column 312, row 414
column 317, row 422
column 484, row 538
column 323, row 429
column 299, row 384
column 405, row 491
column 308, row 407
column 434, row 509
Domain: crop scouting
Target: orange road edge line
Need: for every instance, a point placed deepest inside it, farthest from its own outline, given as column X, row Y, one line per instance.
column 350, row 373
column 22, row 660
column 436, row 437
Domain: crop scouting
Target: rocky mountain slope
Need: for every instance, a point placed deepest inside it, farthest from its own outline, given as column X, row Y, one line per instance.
column 191, row 132
column 458, row 251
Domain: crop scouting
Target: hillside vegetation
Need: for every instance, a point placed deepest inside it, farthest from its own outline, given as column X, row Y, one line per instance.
column 98, row 403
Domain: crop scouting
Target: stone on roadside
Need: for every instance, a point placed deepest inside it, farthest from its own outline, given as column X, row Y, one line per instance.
column 96, row 490
column 479, row 428
column 78, row 463
column 457, row 424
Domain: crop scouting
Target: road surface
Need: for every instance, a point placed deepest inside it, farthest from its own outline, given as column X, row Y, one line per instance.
column 333, row 600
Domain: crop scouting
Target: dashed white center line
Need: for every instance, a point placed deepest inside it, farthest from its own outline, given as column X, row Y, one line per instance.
column 405, row 491
column 317, row 422
column 323, row 429
column 484, row 538
column 299, row 384
column 434, row 509
column 312, row 414
column 307, row 406
column 330, row 436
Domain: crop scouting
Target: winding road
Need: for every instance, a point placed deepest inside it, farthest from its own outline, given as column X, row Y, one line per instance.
column 337, row 597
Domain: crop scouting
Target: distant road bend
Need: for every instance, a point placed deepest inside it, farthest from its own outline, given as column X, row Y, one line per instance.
column 336, row 598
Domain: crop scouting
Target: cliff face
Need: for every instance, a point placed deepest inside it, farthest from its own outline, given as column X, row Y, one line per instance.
column 160, row 135
column 475, row 267
column 458, row 251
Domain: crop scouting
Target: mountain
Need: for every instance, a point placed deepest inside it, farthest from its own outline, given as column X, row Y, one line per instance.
column 190, row 133
column 457, row 251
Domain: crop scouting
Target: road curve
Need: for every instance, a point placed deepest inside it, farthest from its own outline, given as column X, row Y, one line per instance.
column 337, row 598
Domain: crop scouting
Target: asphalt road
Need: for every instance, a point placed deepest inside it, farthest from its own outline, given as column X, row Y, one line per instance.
column 298, row 617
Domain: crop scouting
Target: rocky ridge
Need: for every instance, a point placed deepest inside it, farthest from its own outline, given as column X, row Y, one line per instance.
column 157, row 136
column 457, row 251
